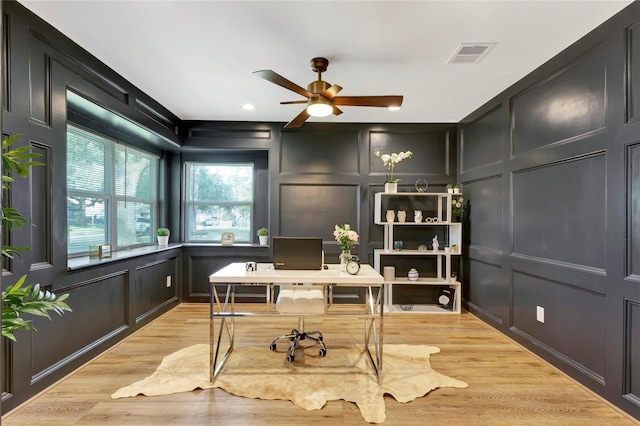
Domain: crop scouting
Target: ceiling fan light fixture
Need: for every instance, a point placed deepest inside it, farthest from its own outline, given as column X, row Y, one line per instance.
column 394, row 108
column 319, row 108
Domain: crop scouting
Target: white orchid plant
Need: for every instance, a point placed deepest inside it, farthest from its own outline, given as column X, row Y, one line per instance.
column 390, row 161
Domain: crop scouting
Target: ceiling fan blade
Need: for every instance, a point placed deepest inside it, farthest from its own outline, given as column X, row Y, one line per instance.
column 293, row 102
column 283, row 82
column 299, row 120
column 336, row 110
column 331, row 91
column 372, row 101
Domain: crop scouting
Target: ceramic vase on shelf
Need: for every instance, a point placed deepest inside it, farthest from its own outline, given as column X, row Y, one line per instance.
column 413, row 274
column 344, row 256
column 390, row 215
column 402, row 216
column 391, row 187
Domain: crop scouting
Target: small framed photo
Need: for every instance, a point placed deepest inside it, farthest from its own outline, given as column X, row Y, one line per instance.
column 228, row 238
column 104, row 251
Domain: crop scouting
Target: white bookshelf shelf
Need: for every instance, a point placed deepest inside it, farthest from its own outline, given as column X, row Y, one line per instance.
column 440, row 217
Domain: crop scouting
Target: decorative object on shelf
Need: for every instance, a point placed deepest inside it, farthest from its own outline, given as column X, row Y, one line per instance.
column 398, row 245
column 446, row 298
column 447, row 249
column 227, row 238
column 450, row 189
column 391, row 187
column 391, row 216
column 422, row 247
column 163, row 236
column 456, row 189
column 402, row 216
column 346, row 239
column 251, row 266
column 417, row 216
column 413, row 274
column 353, row 265
column 100, row 251
column 456, row 207
column 406, row 306
column 263, row 236
column 432, row 220
column 435, row 243
column 421, row 185
column 389, row 273
column 390, row 161
column 454, row 248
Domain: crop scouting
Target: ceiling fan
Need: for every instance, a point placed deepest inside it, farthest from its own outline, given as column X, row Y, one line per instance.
column 321, row 96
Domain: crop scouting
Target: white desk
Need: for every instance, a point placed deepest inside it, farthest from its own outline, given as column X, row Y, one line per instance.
column 265, row 275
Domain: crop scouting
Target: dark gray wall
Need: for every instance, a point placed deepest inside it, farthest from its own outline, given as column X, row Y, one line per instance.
column 319, row 175
column 110, row 300
column 551, row 169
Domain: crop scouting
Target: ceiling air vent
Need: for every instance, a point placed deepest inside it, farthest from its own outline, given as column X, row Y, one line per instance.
column 470, row 53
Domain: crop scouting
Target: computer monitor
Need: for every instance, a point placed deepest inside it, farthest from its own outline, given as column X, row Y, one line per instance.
column 297, row 253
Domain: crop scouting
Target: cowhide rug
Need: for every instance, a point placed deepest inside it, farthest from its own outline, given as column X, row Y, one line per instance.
column 309, row 382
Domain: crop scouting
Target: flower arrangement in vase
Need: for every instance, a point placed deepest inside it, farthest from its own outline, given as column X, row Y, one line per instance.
column 346, row 239
column 390, row 161
column 456, row 207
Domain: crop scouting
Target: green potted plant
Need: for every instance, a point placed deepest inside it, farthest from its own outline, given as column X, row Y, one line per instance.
column 450, row 188
column 163, row 236
column 263, row 236
column 456, row 189
column 16, row 299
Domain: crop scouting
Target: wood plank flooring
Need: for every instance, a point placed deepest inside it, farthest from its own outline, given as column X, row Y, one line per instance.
column 507, row 384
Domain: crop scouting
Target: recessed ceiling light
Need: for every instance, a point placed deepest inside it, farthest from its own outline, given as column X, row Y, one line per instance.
column 394, row 108
column 249, row 107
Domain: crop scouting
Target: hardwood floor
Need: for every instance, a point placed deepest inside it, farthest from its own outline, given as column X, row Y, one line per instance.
column 507, row 384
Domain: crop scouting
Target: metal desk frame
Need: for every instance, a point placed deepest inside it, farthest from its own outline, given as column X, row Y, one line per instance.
column 265, row 275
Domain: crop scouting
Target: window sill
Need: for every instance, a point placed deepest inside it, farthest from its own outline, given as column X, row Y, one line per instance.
column 76, row 263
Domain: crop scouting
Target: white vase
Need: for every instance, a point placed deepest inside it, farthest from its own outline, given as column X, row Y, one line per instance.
column 264, row 239
column 390, row 215
column 391, row 187
column 402, row 216
column 163, row 240
column 413, row 275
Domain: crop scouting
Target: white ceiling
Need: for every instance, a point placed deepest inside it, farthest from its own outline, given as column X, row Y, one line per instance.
column 197, row 57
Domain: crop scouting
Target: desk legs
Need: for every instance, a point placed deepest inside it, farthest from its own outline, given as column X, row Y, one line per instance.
column 370, row 333
column 226, row 328
column 373, row 336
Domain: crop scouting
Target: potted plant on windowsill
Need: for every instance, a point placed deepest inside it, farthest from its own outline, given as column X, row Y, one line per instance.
column 263, row 236
column 163, row 236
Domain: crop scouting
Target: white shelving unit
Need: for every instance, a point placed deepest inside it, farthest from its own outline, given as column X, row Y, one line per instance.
column 441, row 218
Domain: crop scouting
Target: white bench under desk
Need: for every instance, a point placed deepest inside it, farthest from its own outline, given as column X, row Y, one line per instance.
column 222, row 306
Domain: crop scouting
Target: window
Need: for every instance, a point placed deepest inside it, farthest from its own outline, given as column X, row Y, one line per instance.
column 219, row 198
column 111, row 193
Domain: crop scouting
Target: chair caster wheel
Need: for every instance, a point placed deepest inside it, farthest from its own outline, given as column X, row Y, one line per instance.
column 322, row 352
column 290, row 358
column 272, row 347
